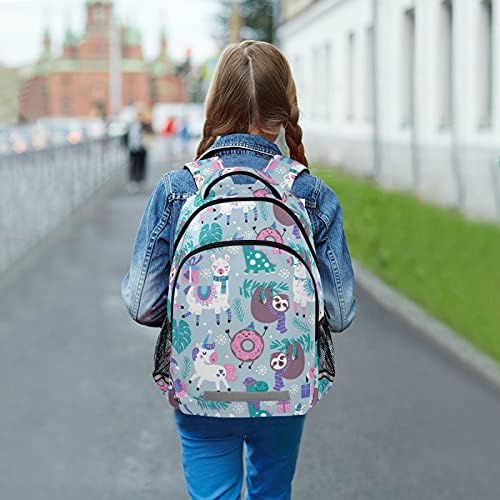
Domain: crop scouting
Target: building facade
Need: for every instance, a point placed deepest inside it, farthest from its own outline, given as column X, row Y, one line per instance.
column 77, row 83
column 9, row 95
column 403, row 90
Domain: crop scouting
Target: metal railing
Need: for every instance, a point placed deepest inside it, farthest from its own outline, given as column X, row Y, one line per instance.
column 40, row 189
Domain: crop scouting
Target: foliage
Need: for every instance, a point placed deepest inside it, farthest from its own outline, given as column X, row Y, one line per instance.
column 322, row 385
column 446, row 263
column 187, row 367
column 249, row 287
column 301, row 325
column 257, row 21
column 210, row 233
column 305, row 254
column 282, row 344
column 188, row 246
column 263, row 209
column 211, row 405
column 181, row 335
column 238, row 309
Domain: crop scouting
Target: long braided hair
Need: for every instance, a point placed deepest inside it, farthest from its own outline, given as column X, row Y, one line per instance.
column 253, row 89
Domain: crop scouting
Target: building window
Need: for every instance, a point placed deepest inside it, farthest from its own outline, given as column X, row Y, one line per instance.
column 408, row 67
column 316, row 84
column 66, row 106
column 327, row 81
column 369, row 74
column 297, row 73
column 445, row 65
column 485, row 64
column 351, row 68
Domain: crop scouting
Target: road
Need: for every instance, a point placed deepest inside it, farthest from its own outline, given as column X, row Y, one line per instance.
column 80, row 418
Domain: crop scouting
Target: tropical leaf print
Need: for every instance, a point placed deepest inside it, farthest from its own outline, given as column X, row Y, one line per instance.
column 238, row 309
column 263, row 209
column 188, row 247
column 181, row 335
column 282, row 344
column 322, row 385
column 301, row 251
column 187, row 367
column 248, row 287
column 275, row 287
column 210, row 233
column 199, row 200
column 211, row 405
column 301, row 325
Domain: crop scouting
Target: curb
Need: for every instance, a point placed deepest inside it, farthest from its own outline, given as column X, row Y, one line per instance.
column 441, row 335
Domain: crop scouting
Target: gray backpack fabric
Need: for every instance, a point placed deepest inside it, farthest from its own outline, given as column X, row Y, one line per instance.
column 244, row 334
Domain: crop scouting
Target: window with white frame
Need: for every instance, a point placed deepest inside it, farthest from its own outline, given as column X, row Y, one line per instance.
column 369, row 69
column 407, row 67
column 350, row 80
column 485, row 63
column 327, row 81
column 315, row 76
column 445, row 64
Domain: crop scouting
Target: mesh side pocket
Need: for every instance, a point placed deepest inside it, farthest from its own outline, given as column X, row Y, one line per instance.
column 326, row 352
column 162, row 355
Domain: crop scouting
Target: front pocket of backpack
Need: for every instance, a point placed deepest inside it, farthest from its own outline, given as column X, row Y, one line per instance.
column 244, row 324
column 162, row 356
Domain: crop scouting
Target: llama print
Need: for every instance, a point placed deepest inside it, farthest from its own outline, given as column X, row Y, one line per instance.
column 226, row 209
column 211, row 297
column 303, row 287
column 206, row 368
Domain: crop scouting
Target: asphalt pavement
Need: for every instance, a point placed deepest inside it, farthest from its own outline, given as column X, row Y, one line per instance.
column 81, row 419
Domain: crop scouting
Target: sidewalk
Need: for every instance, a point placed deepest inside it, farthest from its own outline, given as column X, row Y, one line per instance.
column 81, row 418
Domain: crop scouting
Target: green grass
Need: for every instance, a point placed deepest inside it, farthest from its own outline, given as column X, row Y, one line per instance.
column 444, row 262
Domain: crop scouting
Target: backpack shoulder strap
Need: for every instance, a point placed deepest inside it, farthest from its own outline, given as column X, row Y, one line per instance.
column 283, row 170
column 203, row 169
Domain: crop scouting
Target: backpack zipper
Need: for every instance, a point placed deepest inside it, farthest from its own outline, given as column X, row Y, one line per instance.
column 282, row 205
column 273, row 244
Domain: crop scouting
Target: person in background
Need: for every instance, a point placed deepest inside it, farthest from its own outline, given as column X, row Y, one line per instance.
column 168, row 133
column 139, row 135
column 184, row 136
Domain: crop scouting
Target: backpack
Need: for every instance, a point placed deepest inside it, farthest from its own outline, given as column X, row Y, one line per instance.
column 245, row 333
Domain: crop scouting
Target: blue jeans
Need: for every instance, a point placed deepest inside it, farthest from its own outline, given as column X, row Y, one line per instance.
column 212, row 455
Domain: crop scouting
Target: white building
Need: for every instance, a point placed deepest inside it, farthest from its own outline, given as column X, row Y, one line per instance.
column 405, row 90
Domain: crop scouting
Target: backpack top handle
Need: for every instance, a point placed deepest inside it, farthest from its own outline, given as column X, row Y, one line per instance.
column 256, row 174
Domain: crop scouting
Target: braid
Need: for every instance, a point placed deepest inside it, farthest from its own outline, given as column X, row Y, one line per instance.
column 204, row 144
column 293, row 136
column 206, row 141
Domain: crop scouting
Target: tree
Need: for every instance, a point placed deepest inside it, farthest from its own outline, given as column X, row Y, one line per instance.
column 257, row 21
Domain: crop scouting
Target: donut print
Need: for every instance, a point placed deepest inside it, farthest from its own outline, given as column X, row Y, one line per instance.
column 247, row 345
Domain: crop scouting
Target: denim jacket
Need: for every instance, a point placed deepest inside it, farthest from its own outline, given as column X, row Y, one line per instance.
column 144, row 288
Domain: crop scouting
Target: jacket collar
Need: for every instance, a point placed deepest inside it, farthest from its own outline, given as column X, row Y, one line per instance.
column 243, row 141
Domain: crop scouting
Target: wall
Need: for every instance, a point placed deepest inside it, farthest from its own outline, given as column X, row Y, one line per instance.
column 431, row 134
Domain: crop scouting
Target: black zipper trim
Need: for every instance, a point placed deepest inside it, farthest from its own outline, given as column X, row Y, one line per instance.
column 248, row 198
column 249, row 173
column 223, row 244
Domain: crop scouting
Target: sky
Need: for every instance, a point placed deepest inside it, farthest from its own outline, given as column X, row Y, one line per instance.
column 189, row 24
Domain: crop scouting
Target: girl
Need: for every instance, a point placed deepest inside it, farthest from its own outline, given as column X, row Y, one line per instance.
column 252, row 97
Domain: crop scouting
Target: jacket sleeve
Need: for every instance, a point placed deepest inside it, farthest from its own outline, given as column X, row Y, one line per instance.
column 335, row 266
column 144, row 288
